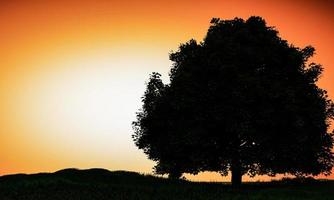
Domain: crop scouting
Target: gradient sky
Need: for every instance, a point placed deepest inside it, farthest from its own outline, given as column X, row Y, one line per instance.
column 72, row 72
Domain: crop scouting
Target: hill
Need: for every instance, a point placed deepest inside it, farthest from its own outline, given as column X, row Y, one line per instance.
column 102, row 184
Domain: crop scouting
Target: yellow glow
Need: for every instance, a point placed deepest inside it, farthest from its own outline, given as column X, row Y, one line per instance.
column 81, row 110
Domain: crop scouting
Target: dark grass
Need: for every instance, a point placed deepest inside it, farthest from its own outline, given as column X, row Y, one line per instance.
column 102, row 184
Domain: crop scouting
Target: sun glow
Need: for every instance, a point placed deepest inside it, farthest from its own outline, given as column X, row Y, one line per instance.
column 84, row 106
column 88, row 96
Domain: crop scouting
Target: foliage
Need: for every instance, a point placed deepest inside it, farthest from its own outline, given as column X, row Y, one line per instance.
column 243, row 100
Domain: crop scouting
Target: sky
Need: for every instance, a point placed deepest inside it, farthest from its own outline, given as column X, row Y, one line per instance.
column 72, row 73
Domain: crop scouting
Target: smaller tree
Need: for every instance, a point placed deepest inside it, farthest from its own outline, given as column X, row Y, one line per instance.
column 159, row 128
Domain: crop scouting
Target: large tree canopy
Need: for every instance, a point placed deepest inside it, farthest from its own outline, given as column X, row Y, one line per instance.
column 243, row 100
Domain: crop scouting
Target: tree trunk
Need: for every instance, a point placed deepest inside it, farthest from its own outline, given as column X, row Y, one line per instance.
column 236, row 173
column 175, row 174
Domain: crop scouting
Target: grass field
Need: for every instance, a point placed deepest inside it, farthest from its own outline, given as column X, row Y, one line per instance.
column 101, row 184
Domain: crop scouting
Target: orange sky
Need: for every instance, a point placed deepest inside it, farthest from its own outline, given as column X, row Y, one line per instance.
column 72, row 72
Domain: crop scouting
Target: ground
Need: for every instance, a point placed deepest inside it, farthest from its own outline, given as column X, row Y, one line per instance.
column 100, row 184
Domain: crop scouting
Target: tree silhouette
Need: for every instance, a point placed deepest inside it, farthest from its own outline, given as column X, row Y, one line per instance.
column 243, row 100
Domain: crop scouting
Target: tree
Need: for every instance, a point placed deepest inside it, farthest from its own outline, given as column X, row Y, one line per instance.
column 243, row 100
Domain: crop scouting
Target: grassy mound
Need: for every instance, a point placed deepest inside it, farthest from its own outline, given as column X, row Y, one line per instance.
column 101, row 184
